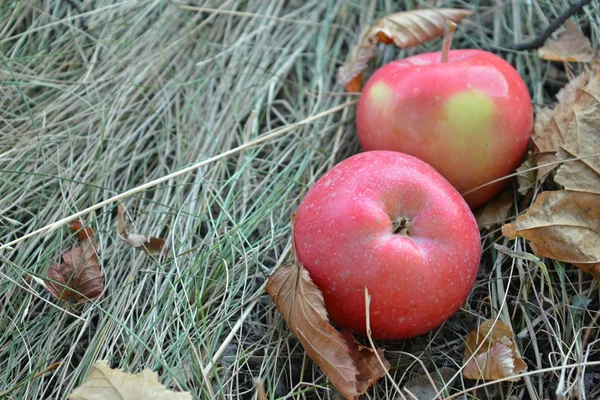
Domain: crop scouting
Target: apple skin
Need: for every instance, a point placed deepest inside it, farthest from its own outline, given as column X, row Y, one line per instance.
column 470, row 118
column 343, row 234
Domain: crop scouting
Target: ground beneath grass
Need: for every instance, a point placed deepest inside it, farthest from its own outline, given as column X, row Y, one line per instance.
column 99, row 97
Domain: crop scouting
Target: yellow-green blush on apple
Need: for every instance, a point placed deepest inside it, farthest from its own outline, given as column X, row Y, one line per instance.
column 381, row 94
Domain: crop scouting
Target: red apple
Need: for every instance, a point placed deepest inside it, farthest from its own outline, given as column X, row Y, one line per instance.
column 391, row 223
column 470, row 117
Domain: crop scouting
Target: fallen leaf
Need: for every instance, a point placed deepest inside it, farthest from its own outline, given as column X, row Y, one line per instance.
column 495, row 211
column 368, row 363
column 302, row 306
column 571, row 45
column 426, row 387
column 78, row 278
column 552, row 125
column 527, row 176
column 581, row 149
column 562, row 225
column 404, row 29
column 105, row 383
column 83, row 233
column 496, row 358
column 150, row 244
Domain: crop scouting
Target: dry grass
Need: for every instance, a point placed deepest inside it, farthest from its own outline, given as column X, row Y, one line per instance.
column 100, row 98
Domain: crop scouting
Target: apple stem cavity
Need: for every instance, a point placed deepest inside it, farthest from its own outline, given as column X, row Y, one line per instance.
column 401, row 226
column 449, row 29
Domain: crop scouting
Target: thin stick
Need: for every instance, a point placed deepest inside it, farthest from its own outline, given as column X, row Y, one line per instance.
column 145, row 186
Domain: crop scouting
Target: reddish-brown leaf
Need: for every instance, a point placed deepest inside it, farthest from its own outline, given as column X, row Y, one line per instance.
column 302, row 306
column 368, row 363
column 496, row 358
column 78, row 278
column 150, row 244
column 404, row 29
column 571, row 45
column 83, row 233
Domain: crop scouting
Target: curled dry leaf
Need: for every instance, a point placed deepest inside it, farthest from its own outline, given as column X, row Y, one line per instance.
column 496, row 358
column 495, row 211
column 149, row 244
column 78, row 278
column 106, row 383
column 302, row 306
column 571, row 45
column 404, row 29
column 371, row 365
column 562, row 225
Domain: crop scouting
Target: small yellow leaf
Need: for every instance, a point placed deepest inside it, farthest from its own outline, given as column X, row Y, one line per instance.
column 105, row 383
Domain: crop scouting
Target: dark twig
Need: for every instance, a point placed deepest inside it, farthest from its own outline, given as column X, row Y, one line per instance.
column 539, row 41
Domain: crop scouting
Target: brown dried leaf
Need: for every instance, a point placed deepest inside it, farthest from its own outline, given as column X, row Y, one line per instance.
column 582, row 143
column 497, row 357
column 302, row 306
column 552, row 125
column 78, row 278
column 370, row 369
column 404, row 29
column 571, row 45
column 495, row 211
column 150, row 244
column 562, row 225
column 527, row 176
column 106, row 383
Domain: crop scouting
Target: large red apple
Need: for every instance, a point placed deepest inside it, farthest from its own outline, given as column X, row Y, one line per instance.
column 470, row 117
column 391, row 223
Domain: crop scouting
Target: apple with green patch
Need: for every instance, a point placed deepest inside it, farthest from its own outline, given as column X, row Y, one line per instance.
column 467, row 113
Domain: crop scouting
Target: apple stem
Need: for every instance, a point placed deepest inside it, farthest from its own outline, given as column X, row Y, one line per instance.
column 449, row 29
column 401, row 226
